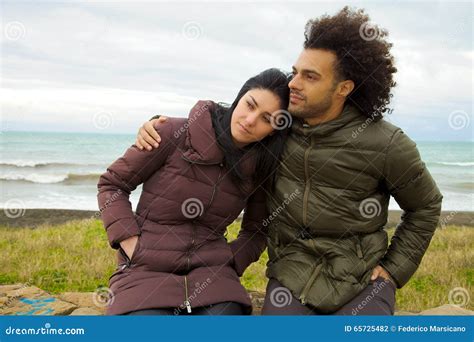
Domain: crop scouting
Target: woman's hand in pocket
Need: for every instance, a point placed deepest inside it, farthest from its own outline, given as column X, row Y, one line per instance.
column 128, row 245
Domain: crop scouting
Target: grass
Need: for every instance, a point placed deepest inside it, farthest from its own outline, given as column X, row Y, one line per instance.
column 76, row 257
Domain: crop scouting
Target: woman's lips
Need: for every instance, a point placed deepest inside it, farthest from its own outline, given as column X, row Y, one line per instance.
column 242, row 128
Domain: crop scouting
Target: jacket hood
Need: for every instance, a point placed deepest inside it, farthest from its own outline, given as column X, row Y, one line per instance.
column 201, row 141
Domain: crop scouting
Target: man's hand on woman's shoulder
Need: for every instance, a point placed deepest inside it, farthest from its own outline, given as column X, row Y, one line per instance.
column 147, row 137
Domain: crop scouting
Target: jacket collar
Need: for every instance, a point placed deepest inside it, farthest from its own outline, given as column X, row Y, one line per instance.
column 349, row 114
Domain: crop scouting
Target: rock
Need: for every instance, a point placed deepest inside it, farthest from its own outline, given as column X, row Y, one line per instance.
column 23, row 299
column 85, row 312
column 30, row 300
column 257, row 299
column 84, row 300
column 405, row 313
column 448, row 310
column 7, row 288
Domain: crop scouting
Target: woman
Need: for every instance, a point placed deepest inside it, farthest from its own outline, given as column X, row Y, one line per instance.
column 173, row 256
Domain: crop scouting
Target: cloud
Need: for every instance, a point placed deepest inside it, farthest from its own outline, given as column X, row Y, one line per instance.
column 135, row 59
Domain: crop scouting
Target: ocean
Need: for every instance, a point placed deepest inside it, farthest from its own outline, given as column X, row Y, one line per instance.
column 61, row 170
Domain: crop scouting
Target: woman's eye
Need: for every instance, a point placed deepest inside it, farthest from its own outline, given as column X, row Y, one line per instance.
column 267, row 118
column 249, row 105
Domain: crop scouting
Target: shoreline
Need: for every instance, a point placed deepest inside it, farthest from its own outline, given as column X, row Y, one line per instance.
column 32, row 218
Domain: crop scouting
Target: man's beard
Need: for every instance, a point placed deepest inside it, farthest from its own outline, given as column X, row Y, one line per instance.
column 311, row 111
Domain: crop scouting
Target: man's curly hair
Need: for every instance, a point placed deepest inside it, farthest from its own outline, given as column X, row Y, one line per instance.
column 363, row 56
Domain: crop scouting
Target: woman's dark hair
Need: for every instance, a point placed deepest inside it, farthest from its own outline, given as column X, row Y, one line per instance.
column 363, row 56
column 267, row 151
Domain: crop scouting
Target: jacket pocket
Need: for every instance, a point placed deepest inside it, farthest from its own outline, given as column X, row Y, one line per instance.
column 345, row 259
column 131, row 261
column 119, row 270
column 273, row 243
column 136, row 249
column 140, row 222
column 374, row 246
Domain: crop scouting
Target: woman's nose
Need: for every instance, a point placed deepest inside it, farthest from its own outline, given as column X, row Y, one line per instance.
column 251, row 118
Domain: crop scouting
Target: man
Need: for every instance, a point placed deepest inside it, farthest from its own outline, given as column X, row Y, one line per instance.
column 328, row 251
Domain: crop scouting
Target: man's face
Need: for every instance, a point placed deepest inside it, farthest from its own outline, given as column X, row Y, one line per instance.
column 313, row 85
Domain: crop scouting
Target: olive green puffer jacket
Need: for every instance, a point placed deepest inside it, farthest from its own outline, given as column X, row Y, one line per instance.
column 330, row 206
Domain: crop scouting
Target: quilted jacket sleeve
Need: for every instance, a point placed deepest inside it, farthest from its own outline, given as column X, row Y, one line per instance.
column 415, row 191
column 122, row 177
column 251, row 240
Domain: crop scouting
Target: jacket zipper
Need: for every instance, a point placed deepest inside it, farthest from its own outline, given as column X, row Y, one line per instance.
column 128, row 261
column 307, row 186
column 359, row 248
column 310, row 282
column 214, row 189
column 187, row 302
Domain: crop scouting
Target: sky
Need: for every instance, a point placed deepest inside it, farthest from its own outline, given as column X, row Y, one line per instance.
column 82, row 66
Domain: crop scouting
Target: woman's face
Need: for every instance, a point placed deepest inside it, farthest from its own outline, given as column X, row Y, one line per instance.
column 251, row 119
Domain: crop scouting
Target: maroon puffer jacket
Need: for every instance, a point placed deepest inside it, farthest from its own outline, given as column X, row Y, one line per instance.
column 182, row 259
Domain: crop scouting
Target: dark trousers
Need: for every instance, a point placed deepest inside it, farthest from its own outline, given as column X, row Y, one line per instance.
column 224, row 308
column 378, row 298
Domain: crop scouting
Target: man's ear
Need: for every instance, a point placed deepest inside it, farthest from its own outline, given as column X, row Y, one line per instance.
column 345, row 88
